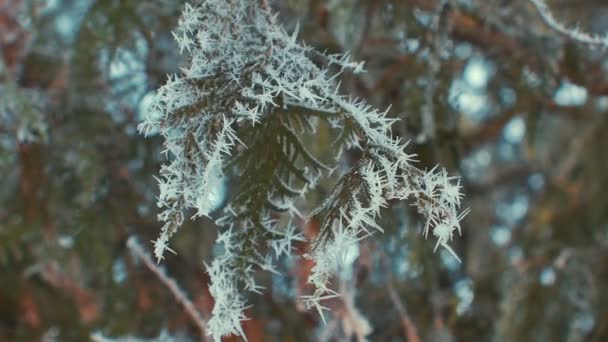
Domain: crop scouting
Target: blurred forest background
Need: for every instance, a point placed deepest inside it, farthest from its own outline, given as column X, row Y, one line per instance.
column 518, row 110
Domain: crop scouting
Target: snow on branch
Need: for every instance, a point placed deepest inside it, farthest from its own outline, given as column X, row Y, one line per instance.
column 575, row 34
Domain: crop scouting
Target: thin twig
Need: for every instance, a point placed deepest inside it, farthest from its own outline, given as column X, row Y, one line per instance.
column 572, row 33
column 179, row 294
column 411, row 332
column 353, row 322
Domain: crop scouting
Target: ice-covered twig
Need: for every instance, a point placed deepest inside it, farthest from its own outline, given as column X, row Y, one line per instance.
column 573, row 33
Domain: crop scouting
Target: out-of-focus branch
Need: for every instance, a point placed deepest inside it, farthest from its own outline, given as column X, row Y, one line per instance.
column 85, row 299
column 488, row 131
column 438, row 41
column 411, row 332
column 495, row 177
column 177, row 292
column 564, row 168
column 508, row 49
column 353, row 322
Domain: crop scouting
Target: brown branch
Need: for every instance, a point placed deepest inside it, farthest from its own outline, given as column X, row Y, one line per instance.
column 410, row 330
column 177, row 292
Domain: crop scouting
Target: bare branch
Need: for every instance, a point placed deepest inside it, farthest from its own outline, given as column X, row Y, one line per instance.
column 178, row 293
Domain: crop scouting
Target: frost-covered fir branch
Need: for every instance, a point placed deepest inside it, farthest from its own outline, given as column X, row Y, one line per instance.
column 242, row 106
